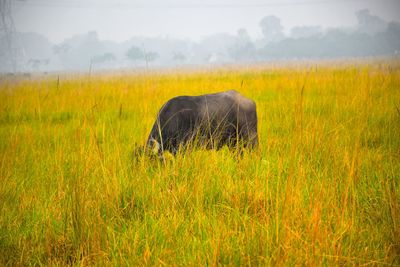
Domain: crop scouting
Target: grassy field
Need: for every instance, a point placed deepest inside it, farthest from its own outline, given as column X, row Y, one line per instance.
column 323, row 188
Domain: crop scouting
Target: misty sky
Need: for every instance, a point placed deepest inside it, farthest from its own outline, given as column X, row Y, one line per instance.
column 119, row 20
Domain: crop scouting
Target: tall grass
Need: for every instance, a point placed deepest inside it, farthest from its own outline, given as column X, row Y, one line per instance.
column 322, row 188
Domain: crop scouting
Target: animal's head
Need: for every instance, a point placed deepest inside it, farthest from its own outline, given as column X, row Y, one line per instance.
column 153, row 147
column 154, row 150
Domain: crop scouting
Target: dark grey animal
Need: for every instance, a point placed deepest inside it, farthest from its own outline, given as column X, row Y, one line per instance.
column 211, row 120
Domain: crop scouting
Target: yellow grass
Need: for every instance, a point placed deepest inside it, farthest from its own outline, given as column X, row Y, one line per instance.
column 322, row 189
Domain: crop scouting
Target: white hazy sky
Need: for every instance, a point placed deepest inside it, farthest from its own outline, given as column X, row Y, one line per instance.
column 118, row 20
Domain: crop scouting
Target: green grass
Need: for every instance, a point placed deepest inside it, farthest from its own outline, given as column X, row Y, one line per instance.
column 322, row 189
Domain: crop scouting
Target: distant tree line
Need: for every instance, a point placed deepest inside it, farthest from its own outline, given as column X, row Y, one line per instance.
column 371, row 36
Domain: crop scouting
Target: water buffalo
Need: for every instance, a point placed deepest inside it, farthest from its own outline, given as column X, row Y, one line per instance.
column 210, row 120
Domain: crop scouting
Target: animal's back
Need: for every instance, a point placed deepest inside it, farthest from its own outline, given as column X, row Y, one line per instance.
column 221, row 116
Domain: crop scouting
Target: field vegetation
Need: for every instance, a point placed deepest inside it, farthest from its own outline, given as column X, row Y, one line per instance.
column 323, row 187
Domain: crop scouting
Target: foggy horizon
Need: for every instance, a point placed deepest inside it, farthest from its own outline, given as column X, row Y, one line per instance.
column 61, row 35
column 119, row 21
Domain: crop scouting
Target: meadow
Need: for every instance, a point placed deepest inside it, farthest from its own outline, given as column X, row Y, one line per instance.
column 322, row 188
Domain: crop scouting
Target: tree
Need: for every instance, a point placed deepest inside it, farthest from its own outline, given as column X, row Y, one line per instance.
column 368, row 23
column 151, row 56
column 305, row 31
column 392, row 36
column 272, row 29
column 243, row 34
column 243, row 48
column 135, row 54
column 61, row 49
column 102, row 58
column 35, row 63
column 178, row 56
